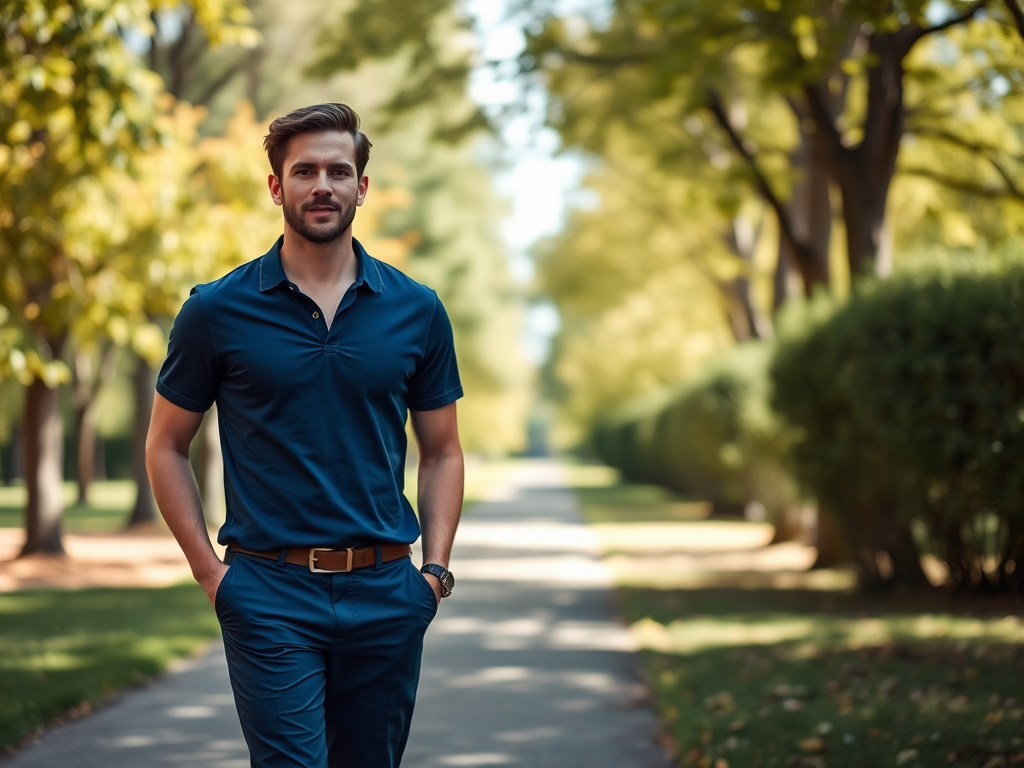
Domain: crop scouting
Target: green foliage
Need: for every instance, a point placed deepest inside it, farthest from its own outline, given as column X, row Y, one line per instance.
column 72, row 103
column 432, row 42
column 436, row 219
column 732, row 84
column 434, row 213
column 714, row 438
column 617, row 274
column 96, row 175
column 909, row 406
column 69, row 649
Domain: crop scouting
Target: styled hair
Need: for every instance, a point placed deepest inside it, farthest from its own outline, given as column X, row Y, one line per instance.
column 315, row 119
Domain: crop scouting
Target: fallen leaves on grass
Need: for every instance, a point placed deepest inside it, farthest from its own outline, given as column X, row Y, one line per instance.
column 907, row 756
column 812, row 744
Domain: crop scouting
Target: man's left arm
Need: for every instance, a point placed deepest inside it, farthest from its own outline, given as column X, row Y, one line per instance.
column 441, row 477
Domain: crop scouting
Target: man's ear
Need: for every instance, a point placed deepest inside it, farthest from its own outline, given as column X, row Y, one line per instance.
column 364, row 184
column 275, row 189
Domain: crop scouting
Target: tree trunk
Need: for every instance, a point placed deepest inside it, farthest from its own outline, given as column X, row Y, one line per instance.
column 85, row 428
column 864, row 174
column 833, row 545
column 143, row 382
column 864, row 201
column 44, row 463
column 810, row 214
column 743, row 316
column 85, row 459
column 15, row 468
column 906, row 559
column 87, row 387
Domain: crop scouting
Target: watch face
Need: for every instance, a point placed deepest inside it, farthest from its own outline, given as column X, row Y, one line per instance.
column 447, row 583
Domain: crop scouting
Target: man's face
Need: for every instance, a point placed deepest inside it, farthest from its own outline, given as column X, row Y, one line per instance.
column 318, row 188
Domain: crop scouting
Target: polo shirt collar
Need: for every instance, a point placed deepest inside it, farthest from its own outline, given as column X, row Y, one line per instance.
column 272, row 272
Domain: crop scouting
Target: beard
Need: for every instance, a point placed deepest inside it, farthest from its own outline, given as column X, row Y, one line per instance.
column 295, row 216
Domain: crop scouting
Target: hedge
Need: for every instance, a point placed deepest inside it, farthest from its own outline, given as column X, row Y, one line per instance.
column 714, row 437
column 908, row 407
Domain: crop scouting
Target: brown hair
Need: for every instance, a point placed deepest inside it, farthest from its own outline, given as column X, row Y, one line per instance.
column 315, row 119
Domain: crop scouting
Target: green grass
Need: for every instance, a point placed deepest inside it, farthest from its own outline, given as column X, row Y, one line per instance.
column 60, row 650
column 110, row 501
column 637, row 504
column 767, row 676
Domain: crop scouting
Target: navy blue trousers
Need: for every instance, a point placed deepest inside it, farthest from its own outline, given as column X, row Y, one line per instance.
column 324, row 667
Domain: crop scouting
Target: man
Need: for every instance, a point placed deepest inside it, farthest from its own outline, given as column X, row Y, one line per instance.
column 314, row 354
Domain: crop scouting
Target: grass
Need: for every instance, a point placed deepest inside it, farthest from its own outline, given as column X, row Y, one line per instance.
column 762, row 675
column 64, row 651
column 110, row 501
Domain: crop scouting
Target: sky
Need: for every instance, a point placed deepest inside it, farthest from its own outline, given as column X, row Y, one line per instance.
column 538, row 182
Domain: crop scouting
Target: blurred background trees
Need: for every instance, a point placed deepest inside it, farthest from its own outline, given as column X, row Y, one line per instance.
column 132, row 168
column 788, row 215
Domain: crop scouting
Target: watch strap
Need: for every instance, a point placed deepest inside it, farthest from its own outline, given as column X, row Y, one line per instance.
column 442, row 574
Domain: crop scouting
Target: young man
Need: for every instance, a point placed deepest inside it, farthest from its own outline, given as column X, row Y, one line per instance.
column 314, row 353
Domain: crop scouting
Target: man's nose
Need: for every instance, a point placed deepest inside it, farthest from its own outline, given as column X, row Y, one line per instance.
column 323, row 186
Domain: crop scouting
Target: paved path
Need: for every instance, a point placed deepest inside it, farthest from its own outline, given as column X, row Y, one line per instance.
column 524, row 666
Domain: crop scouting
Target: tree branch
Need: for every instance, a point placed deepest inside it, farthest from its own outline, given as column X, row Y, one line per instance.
column 226, row 77
column 832, row 139
column 1017, row 14
column 1010, row 182
column 973, row 146
column 715, row 106
column 962, row 186
column 967, row 15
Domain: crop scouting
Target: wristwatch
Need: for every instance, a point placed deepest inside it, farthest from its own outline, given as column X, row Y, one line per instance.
column 443, row 575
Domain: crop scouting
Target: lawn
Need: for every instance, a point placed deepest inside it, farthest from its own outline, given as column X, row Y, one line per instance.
column 815, row 675
column 110, row 501
column 67, row 650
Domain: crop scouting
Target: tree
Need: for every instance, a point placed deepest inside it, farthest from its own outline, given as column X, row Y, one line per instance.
column 72, row 104
column 211, row 46
column 856, row 76
column 78, row 111
column 616, row 276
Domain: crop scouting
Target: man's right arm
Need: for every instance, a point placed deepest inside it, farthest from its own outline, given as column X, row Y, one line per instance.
column 171, row 430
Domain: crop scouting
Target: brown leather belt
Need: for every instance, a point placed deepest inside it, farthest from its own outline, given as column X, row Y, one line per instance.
column 324, row 560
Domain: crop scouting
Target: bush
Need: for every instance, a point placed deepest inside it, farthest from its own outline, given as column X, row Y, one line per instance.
column 909, row 404
column 715, row 437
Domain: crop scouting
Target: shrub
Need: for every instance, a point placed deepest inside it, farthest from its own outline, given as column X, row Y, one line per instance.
column 714, row 437
column 909, row 406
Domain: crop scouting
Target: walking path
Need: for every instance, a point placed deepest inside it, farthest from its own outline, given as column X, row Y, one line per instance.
column 524, row 666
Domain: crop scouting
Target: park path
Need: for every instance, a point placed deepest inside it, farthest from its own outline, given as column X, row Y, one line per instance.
column 526, row 665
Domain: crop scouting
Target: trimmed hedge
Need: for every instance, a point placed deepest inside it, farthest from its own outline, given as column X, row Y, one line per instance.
column 909, row 408
column 713, row 438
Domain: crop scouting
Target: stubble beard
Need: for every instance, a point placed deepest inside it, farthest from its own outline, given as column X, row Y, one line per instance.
column 294, row 215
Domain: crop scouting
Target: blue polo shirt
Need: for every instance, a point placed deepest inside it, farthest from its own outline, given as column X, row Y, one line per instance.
column 312, row 421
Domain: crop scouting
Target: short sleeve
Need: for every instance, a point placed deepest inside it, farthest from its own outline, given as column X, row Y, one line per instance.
column 435, row 382
column 190, row 374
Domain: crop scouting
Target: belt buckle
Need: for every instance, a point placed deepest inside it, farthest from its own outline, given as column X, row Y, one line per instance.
column 312, row 560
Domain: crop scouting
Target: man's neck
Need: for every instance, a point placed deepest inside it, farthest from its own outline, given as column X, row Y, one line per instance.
column 324, row 265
